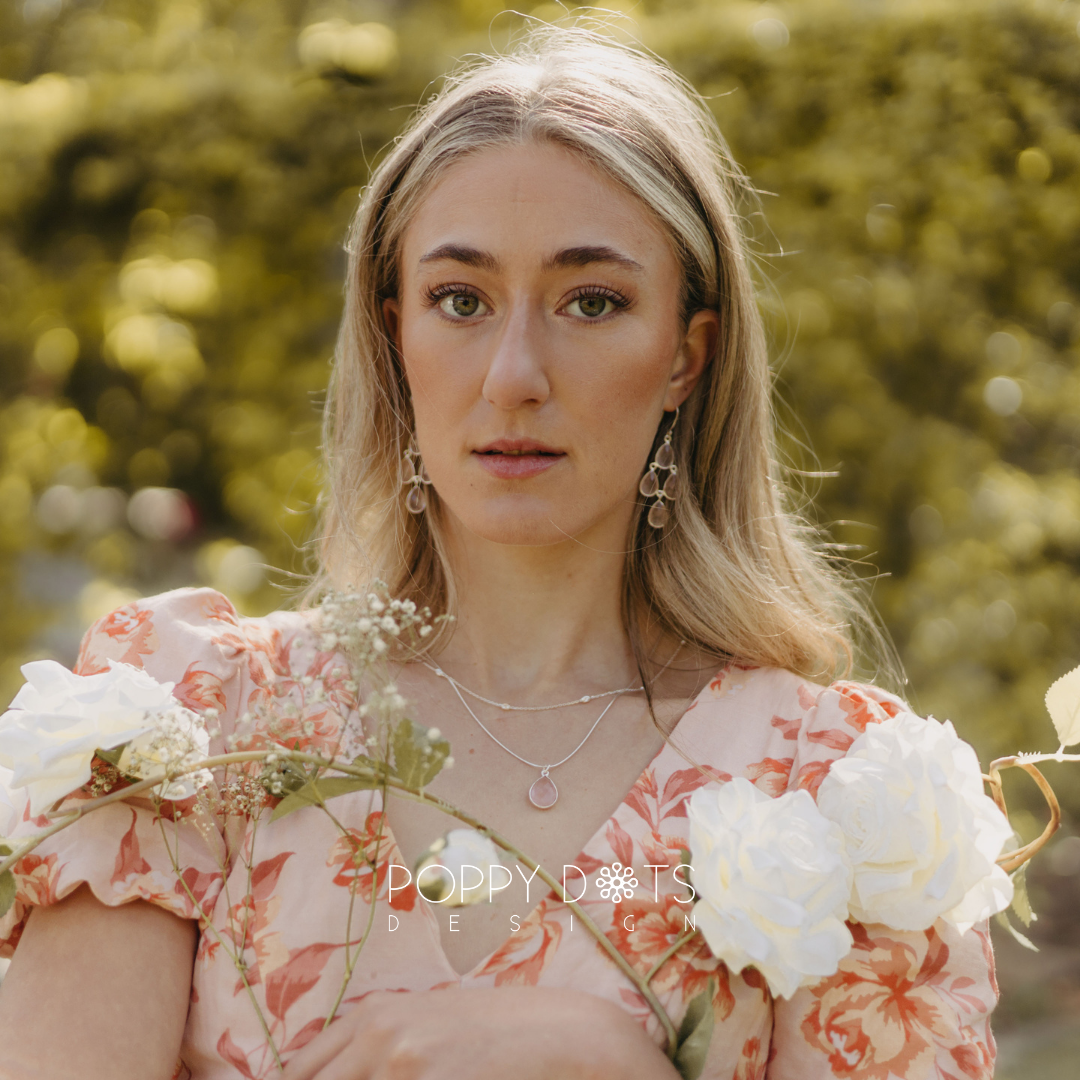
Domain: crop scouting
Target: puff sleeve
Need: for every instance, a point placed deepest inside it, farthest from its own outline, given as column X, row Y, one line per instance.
column 904, row 1005
column 127, row 851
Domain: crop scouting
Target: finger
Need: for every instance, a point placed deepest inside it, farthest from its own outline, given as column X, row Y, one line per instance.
column 323, row 1048
column 364, row 1057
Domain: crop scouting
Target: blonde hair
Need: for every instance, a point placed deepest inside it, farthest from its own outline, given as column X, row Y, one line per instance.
column 735, row 574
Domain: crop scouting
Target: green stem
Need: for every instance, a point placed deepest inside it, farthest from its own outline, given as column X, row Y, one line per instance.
column 417, row 795
column 668, row 953
column 238, row 960
column 351, row 959
column 249, row 866
column 37, row 838
column 69, row 817
column 602, row 939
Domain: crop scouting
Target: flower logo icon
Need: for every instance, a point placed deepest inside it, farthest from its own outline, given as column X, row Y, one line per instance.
column 618, row 883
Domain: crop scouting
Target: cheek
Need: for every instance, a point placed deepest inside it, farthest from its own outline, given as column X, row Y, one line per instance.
column 616, row 399
column 438, row 370
column 445, row 389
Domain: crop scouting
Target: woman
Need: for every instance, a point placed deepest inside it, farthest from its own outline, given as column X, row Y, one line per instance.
column 550, row 418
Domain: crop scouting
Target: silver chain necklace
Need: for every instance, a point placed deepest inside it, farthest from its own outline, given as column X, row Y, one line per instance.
column 506, row 707
column 543, row 793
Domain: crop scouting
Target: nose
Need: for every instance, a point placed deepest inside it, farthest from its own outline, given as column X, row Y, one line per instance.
column 516, row 374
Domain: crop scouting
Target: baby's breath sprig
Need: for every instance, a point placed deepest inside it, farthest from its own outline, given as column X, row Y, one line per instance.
column 178, row 740
column 368, row 625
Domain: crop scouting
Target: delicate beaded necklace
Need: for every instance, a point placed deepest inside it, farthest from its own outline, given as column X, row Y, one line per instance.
column 543, row 793
column 506, row 707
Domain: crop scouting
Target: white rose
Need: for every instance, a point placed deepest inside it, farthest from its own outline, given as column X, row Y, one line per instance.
column 8, row 812
column 921, row 834
column 461, row 863
column 773, row 883
column 58, row 719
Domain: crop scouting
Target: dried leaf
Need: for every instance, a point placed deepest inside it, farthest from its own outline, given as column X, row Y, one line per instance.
column 1063, row 705
column 1003, row 920
column 418, row 758
column 318, row 791
column 695, row 1033
column 7, row 892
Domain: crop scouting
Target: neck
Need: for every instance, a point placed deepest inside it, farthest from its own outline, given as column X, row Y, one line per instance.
column 535, row 624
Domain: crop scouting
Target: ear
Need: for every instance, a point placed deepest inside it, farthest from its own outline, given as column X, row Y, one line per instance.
column 695, row 352
column 391, row 312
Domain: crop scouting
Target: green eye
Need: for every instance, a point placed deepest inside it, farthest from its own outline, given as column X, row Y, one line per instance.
column 462, row 305
column 592, row 306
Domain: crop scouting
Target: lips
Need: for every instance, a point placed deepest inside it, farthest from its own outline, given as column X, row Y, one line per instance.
column 517, row 459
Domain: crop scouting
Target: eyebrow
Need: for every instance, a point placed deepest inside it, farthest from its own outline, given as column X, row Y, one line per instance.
column 585, row 255
column 468, row 256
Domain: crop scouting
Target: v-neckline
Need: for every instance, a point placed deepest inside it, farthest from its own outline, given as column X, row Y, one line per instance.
column 429, row 915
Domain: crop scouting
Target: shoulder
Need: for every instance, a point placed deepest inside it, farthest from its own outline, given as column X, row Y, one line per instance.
column 738, row 689
column 779, row 729
column 153, row 625
column 193, row 637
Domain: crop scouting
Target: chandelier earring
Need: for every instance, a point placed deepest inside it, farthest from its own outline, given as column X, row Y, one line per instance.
column 416, row 499
column 651, row 486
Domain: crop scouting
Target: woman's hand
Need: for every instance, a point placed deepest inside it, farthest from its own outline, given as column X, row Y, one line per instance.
column 530, row 1033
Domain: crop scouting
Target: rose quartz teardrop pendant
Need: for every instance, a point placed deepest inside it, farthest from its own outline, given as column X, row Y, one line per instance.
column 543, row 794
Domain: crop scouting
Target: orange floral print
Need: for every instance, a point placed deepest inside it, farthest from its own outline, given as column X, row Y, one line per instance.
column 752, row 1060
column 771, row 774
column 657, row 925
column 126, row 634
column 359, row 857
column 885, row 1012
column 38, row 878
column 521, row 960
column 200, row 690
column 277, row 895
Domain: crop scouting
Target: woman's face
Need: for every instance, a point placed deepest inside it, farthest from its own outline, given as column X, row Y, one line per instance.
column 539, row 327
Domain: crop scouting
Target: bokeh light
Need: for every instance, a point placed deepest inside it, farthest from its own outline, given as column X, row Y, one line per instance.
column 176, row 181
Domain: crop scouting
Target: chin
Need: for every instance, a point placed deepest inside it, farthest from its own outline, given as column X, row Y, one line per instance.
column 524, row 522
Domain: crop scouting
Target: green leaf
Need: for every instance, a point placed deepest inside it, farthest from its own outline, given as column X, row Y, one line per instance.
column 318, row 791
column 1003, row 920
column 418, row 758
column 112, row 756
column 1021, row 902
column 5, row 851
column 694, row 1035
column 1063, row 705
column 7, row 892
column 365, row 762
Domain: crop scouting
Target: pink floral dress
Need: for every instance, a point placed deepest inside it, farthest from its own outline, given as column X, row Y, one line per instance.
column 903, row 1005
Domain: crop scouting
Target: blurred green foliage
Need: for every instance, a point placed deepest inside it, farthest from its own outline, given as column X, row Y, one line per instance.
column 175, row 182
